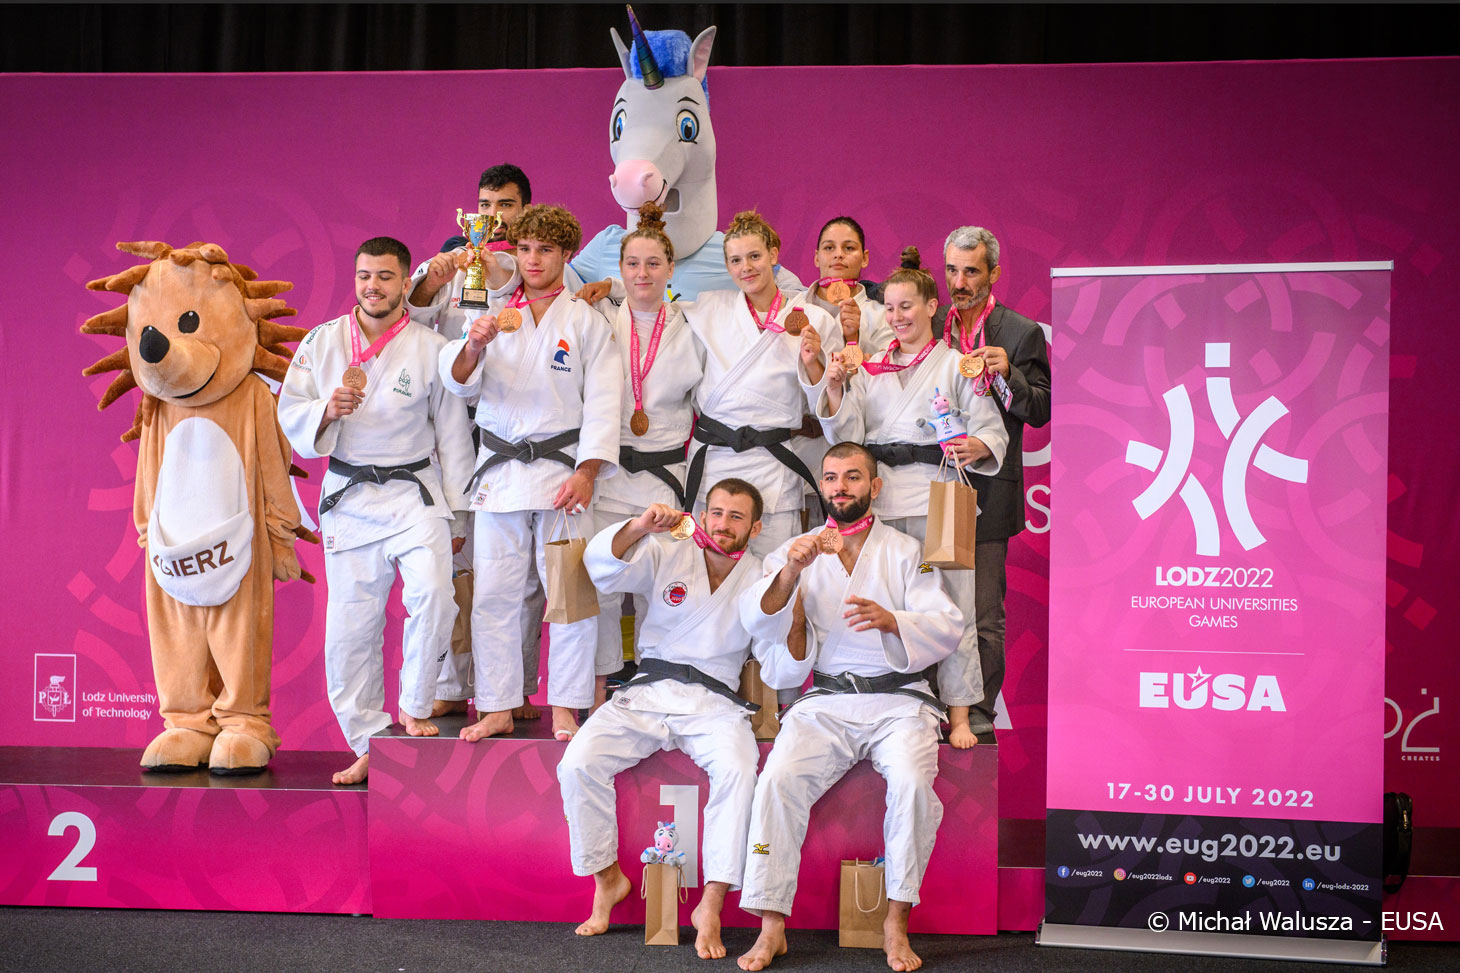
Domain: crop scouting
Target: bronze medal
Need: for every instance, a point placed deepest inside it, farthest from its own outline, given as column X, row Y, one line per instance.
column 354, row 378
column 683, row 530
column 638, row 423
column 971, row 366
column 838, row 292
column 509, row 319
column 830, row 540
column 852, row 357
column 796, row 322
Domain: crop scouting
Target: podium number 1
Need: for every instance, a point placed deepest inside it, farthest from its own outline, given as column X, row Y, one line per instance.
column 685, row 800
column 71, row 869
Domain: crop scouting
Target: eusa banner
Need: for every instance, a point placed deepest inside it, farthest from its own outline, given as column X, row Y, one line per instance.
column 1216, row 660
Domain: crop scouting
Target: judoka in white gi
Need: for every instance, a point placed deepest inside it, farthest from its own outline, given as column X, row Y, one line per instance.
column 693, row 648
column 502, row 192
column 657, row 404
column 383, row 505
column 751, row 401
column 877, row 616
column 888, row 406
column 548, row 414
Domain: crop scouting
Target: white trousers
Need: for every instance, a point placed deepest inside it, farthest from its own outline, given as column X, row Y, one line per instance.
column 456, row 682
column 617, row 737
column 508, row 548
column 359, row 582
column 811, row 753
column 960, row 677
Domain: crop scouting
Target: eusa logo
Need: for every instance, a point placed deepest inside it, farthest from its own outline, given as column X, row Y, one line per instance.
column 1244, row 450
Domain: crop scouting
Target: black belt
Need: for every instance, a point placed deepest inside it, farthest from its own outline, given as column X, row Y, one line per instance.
column 896, row 683
column 526, row 451
column 657, row 463
column 711, row 432
column 905, row 454
column 657, row 670
column 375, row 474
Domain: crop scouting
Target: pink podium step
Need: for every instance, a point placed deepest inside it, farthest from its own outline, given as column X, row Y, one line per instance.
column 476, row 831
column 84, row 826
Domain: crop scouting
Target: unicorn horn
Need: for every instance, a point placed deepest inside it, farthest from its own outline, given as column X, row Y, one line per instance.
column 648, row 67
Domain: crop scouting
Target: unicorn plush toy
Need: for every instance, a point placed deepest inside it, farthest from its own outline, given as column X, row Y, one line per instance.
column 662, row 143
column 663, row 851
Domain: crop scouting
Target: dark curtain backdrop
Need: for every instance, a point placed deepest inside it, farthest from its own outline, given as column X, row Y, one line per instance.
column 446, row 36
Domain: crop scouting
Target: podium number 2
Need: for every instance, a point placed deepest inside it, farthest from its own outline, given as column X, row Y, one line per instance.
column 70, row 869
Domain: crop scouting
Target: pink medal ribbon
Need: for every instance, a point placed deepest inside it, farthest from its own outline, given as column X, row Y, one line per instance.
column 498, row 246
column 703, row 540
column 967, row 343
column 770, row 316
column 520, row 299
column 357, row 358
column 849, row 281
column 856, row 528
column 638, row 373
column 886, row 365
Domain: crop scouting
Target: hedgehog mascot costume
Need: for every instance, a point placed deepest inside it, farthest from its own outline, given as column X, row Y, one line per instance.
column 213, row 505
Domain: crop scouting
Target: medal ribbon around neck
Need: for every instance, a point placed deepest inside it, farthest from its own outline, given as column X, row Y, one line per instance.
column 638, row 373
column 702, row 538
column 856, row 528
column 830, row 537
column 357, row 358
column 770, row 316
column 969, row 339
column 520, row 298
column 886, row 364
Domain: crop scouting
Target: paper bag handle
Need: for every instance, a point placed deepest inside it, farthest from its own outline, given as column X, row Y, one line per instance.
column 563, row 518
column 683, row 890
column 948, row 463
column 856, row 888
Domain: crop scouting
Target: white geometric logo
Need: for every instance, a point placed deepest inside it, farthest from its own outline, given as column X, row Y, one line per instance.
column 1243, row 436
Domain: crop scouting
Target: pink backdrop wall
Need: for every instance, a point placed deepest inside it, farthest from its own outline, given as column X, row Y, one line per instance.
column 1069, row 165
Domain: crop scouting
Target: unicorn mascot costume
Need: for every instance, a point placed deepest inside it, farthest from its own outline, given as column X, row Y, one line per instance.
column 663, row 148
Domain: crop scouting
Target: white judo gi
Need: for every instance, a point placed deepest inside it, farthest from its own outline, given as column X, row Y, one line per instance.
column 443, row 316
column 884, row 409
column 679, row 364
column 550, row 377
column 378, row 528
column 752, row 379
column 686, row 624
column 823, row 736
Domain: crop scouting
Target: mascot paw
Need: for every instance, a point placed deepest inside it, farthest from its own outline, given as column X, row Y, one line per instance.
column 176, row 750
column 238, row 753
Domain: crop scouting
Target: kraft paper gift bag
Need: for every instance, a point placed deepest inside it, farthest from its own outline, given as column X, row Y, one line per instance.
column 952, row 523
column 571, row 596
column 863, row 905
column 764, row 722
column 662, row 889
column 461, row 628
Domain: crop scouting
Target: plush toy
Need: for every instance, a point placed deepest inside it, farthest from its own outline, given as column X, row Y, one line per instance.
column 213, row 505
column 663, row 851
column 947, row 421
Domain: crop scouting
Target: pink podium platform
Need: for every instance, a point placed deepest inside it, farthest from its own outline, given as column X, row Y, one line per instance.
column 85, row 827
column 476, row 831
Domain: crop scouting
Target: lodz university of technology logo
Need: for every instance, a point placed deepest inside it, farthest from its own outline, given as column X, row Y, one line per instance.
column 1244, row 450
column 55, row 688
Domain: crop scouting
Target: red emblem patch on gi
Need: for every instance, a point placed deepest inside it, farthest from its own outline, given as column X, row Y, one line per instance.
column 675, row 593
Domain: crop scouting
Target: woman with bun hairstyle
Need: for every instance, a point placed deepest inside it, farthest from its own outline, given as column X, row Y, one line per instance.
column 909, row 405
column 658, row 391
column 764, row 363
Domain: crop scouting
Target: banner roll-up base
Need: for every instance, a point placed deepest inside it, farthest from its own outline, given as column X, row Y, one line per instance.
column 1213, row 944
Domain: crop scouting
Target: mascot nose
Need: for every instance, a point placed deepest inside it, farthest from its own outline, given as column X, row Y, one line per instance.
column 153, row 346
column 636, row 181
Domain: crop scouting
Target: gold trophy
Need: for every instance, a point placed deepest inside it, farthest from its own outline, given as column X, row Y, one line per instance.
column 479, row 229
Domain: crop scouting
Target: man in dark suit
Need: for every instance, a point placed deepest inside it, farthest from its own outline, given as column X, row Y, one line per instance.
column 1013, row 349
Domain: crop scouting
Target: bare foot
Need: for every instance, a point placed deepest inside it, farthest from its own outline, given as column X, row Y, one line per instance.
column 418, row 728
column 961, row 737
column 355, row 773
column 565, row 724
column 900, row 955
column 706, row 920
column 770, row 944
column 489, row 725
column 442, row 707
column 527, row 711
column 610, row 887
